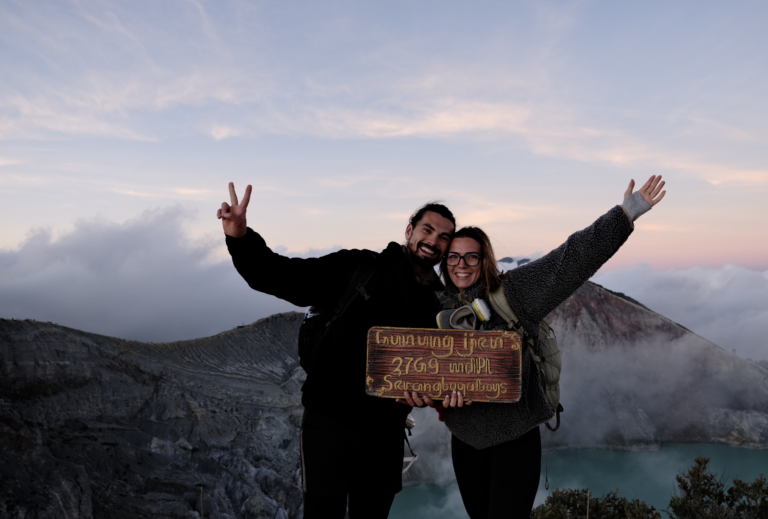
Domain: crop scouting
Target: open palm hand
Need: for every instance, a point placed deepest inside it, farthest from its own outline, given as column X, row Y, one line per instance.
column 651, row 191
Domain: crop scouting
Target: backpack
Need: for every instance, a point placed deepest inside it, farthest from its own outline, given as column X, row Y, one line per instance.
column 549, row 364
column 317, row 322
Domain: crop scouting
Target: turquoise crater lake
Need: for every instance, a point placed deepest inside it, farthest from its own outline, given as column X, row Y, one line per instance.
column 648, row 476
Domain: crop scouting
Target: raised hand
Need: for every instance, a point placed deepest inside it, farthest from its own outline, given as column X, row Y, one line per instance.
column 233, row 216
column 650, row 191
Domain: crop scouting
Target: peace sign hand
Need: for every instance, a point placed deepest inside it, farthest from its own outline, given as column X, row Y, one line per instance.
column 233, row 216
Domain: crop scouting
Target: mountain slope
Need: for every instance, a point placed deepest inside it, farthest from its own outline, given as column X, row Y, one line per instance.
column 633, row 377
column 93, row 426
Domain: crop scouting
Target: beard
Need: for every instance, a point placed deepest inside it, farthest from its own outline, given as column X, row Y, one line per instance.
column 413, row 255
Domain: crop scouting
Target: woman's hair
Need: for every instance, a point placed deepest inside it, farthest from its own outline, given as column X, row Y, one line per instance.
column 489, row 271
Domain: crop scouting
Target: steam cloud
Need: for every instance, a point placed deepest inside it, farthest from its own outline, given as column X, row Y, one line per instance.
column 144, row 280
column 726, row 305
column 141, row 280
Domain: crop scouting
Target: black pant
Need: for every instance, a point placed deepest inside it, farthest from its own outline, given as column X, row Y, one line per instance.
column 500, row 481
column 361, row 505
column 359, row 461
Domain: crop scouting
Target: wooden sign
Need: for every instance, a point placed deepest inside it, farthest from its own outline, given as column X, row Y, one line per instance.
column 484, row 366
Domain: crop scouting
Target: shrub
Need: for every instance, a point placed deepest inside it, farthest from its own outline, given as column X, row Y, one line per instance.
column 702, row 495
column 572, row 504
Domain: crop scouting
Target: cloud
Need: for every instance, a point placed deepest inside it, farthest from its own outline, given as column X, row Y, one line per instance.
column 438, row 117
column 727, row 305
column 7, row 162
column 139, row 280
column 143, row 279
column 219, row 132
column 15, row 181
column 524, row 77
column 112, row 66
column 308, row 253
column 346, row 181
column 142, row 191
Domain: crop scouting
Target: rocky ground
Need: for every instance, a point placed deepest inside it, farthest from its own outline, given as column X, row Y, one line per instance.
column 93, row 426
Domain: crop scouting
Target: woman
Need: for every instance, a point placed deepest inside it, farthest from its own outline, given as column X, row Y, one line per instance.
column 496, row 448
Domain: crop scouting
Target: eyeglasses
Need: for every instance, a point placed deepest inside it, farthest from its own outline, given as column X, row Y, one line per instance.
column 471, row 259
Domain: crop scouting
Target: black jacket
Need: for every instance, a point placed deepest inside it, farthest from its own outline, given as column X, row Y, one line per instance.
column 397, row 299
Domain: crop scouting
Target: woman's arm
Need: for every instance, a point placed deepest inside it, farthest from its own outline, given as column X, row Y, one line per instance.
column 538, row 287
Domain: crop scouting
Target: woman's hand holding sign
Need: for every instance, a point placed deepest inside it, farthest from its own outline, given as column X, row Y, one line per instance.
column 233, row 216
column 455, row 399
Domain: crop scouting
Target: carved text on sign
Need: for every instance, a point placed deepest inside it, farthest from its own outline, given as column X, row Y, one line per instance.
column 484, row 366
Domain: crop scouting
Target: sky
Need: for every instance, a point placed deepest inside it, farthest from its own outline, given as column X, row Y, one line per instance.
column 122, row 123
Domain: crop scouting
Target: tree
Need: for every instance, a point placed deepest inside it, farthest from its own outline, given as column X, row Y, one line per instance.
column 572, row 504
column 702, row 495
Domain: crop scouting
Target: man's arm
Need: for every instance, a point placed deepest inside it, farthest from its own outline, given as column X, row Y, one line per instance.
column 302, row 282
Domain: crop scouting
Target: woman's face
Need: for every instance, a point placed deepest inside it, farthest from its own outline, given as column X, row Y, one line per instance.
column 462, row 275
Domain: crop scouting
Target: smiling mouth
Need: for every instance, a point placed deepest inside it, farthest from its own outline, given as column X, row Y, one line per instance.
column 426, row 249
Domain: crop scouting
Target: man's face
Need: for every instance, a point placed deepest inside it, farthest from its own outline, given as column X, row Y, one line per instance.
column 428, row 240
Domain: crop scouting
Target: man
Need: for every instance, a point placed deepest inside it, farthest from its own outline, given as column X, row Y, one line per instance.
column 351, row 443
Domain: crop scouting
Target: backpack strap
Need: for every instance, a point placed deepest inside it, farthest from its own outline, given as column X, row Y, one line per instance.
column 501, row 306
column 356, row 285
column 409, row 459
column 557, row 413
